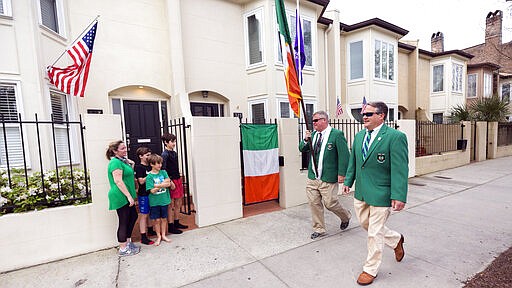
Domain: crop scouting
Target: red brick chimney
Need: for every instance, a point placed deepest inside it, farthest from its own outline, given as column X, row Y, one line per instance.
column 437, row 42
column 493, row 26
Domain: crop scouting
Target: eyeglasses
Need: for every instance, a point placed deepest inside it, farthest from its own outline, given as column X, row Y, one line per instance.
column 316, row 120
column 370, row 114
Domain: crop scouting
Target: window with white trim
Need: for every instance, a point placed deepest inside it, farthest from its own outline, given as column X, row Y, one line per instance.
column 257, row 111
column 5, row 8
column 487, row 85
column 307, row 34
column 51, row 15
column 384, row 63
column 438, row 78
column 9, row 114
column 457, row 78
column 472, row 79
column 63, row 132
column 253, row 23
column 356, row 60
column 505, row 92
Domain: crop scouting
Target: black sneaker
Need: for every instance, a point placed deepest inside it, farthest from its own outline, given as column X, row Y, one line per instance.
column 173, row 230
column 147, row 241
column 180, row 226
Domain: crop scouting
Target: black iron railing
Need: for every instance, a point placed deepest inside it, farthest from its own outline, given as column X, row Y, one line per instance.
column 433, row 138
column 56, row 177
column 504, row 134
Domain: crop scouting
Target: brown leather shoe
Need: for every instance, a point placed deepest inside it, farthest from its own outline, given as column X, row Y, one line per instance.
column 365, row 279
column 399, row 249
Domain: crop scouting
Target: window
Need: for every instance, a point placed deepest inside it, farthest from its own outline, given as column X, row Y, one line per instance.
column 471, row 85
column 12, row 139
column 284, row 110
column 207, row 109
column 63, row 139
column 258, row 112
column 438, row 118
column 52, row 15
column 254, row 37
column 384, row 60
column 391, row 114
column 356, row 60
column 505, row 92
column 437, row 78
column 5, row 7
column 306, row 31
column 487, row 85
column 49, row 14
column 356, row 113
column 457, row 78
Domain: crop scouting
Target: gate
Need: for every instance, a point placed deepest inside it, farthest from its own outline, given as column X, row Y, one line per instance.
column 179, row 128
column 269, row 182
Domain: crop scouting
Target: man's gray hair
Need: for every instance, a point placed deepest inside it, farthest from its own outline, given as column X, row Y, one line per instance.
column 323, row 114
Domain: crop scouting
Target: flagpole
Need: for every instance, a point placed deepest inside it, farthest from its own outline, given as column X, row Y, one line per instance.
column 72, row 43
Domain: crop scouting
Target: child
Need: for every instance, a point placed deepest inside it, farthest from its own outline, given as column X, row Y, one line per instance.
column 157, row 182
column 141, row 171
column 170, row 164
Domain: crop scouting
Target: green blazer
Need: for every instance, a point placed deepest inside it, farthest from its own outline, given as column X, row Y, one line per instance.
column 335, row 160
column 382, row 177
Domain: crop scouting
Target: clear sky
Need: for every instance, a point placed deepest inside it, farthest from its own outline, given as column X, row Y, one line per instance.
column 461, row 21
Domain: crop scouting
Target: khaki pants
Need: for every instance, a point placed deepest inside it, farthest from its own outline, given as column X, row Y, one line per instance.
column 373, row 220
column 318, row 192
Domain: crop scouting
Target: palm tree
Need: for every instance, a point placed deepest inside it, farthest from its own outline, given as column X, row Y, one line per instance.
column 491, row 109
column 460, row 113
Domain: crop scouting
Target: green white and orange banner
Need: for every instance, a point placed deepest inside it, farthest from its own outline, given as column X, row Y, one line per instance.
column 290, row 73
column 261, row 162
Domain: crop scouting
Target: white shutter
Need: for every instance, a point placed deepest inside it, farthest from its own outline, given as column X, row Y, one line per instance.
column 12, row 137
column 62, row 141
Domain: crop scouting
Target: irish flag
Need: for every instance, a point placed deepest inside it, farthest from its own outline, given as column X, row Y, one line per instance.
column 261, row 162
column 290, row 73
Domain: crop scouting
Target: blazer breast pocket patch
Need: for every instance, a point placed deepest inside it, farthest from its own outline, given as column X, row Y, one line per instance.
column 381, row 157
column 330, row 146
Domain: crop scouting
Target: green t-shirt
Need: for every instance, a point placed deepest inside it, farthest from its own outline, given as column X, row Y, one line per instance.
column 116, row 198
column 162, row 196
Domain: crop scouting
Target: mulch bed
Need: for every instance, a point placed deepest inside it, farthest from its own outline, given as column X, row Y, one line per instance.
column 496, row 275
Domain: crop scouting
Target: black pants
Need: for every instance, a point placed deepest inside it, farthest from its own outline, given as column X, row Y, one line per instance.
column 127, row 217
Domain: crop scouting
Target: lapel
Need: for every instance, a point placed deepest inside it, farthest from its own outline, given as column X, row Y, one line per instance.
column 380, row 137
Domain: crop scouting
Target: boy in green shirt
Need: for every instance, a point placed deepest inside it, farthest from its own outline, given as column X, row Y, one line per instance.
column 157, row 184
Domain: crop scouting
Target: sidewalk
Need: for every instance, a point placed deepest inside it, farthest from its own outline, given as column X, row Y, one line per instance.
column 455, row 223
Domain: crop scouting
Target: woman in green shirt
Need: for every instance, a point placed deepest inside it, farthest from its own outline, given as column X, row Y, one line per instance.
column 122, row 194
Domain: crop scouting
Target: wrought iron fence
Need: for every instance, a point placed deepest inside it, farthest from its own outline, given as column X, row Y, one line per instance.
column 433, row 138
column 504, row 134
column 180, row 129
column 57, row 176
column 348, row 126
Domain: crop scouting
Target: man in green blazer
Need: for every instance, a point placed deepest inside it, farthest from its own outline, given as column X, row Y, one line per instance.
column 379, row 166
column 327, row 168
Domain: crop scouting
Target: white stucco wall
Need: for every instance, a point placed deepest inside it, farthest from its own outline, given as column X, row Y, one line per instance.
column 30, row 238
column 216, row 170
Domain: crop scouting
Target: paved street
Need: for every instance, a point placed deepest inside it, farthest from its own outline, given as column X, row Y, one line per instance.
column 455, row 223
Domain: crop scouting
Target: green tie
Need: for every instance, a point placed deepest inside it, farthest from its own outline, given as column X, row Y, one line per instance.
column 366, row 143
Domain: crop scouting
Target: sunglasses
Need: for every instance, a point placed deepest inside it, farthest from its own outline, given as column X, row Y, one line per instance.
column 369, row 114
column 316, row 120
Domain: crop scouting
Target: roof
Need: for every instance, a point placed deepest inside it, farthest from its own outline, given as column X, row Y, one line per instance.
column 377, row 22
column 444, row 53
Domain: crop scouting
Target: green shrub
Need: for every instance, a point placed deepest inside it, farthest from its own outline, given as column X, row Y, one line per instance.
column 20, row 197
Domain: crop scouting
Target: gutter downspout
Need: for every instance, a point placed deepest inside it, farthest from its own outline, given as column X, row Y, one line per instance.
column 326, row 58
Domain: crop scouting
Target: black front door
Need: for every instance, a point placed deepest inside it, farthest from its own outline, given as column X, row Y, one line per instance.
column 142, row 125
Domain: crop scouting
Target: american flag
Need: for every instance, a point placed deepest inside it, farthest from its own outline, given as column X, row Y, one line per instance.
column 339, row 109
column 72, row 79
column 363, row 108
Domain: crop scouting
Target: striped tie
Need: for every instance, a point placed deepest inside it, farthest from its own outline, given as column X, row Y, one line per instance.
column 366, row 143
